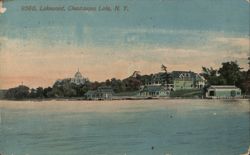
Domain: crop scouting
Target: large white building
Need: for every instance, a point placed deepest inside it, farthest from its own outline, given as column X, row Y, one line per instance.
column 78, row 79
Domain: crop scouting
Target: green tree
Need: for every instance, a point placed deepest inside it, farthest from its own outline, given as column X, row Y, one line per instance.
column 18, row 93
column 48, row 92
column 132, row 84
column 230, row 71
column 212, row 76
column 32, row 93
column 228, row 74
column 64, row 88
column 246, row 82
column 39, row 92
column 117, row 85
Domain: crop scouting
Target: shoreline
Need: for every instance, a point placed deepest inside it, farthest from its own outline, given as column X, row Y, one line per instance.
column 122, row 99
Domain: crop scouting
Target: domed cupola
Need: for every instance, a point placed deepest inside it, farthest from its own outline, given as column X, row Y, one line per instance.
column 78, row 79
column 78, row 75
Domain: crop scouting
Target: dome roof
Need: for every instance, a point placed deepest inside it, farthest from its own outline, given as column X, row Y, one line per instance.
column 78, row 75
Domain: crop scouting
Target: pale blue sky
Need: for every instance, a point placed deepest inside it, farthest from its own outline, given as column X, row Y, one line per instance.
column 183, row 34
column 229, row 16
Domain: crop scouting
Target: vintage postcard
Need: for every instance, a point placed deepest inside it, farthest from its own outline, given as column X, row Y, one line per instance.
column 124, row 77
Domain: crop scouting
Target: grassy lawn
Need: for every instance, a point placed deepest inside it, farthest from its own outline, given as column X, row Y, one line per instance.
column 192, row 93
column 134, row 93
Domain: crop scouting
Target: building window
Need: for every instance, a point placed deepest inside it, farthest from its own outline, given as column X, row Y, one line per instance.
column 233, row 93
column 211, row 93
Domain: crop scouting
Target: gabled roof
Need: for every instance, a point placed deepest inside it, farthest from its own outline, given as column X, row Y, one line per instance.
column 177, row 74
column 200, row 77
column 78, row 74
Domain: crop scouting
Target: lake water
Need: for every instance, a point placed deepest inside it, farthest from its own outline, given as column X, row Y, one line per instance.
column 150, row 127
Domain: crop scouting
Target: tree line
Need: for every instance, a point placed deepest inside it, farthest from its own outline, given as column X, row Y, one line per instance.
column 66, row 89
column 229, row 73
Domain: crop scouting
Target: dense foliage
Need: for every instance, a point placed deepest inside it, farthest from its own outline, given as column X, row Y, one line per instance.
column 228, row 74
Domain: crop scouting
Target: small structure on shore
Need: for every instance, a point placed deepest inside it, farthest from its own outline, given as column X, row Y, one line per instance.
column 102, row 93
column 91, row 95
column 154, row 91
column 223, row 91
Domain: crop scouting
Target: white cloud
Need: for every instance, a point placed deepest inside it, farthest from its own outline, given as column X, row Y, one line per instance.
column 243, row 42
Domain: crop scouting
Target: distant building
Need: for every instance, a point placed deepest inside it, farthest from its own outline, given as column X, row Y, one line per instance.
column 91, row 95
column 105, row 92
column 170, row 87
column 223, row 91
column 154, row 91
column 200, row 81
column 78, row 79
column 187, row 80
column 158, row 79
column 102, row 93
column 180, row 84
column 156, row 86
